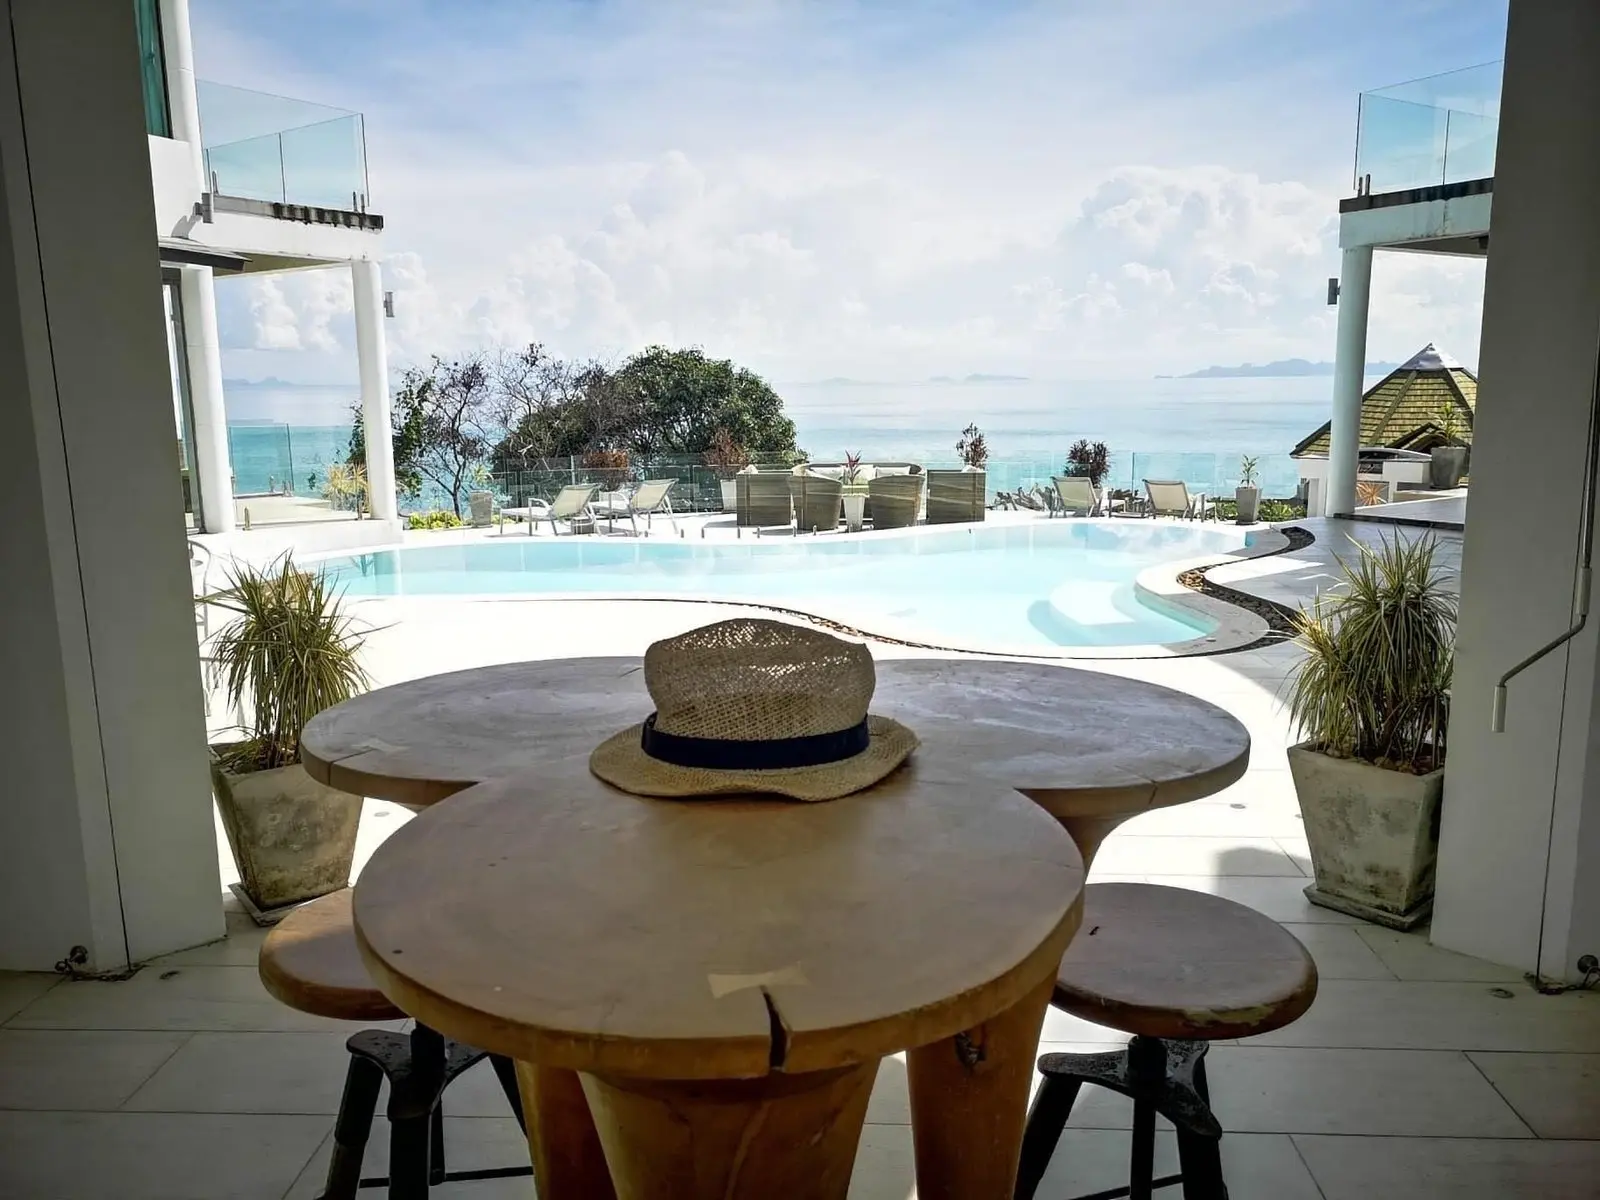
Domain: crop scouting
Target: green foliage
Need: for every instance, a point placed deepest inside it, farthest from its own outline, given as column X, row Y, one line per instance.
column 1280, row 510
column 434, row 518
column 346, row 487
column 1449, row 422
column 1089, row 458
column 676, row 400
column 973, row 447
column 1375, row 682
column 288, row 654
column 1247, row 471
column 406, row 444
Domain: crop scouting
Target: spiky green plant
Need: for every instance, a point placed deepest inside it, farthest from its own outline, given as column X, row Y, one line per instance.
column 289, row 653
column 1375, row 681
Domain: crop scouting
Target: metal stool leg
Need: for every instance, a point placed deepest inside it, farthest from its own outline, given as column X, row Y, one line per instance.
column 409, row 1149
column 1200, row 1162
column 436, row 1144
column 352, row 1128
column 1142, row 1168
column 506, row 1072
column 1047, row 1117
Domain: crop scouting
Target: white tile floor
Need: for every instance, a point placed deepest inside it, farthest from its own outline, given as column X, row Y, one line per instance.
column 1418, row 1073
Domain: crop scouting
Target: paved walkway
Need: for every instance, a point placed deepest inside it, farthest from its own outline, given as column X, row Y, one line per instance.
column 1296, row 578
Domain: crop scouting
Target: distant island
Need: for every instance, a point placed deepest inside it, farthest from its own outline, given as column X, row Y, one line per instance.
column 1284, row 368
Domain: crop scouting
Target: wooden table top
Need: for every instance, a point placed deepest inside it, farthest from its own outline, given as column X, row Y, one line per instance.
column 1081, row 743
column 554, row 919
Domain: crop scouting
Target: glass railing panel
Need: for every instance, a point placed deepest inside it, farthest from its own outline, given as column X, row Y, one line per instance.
column 252, row 170
column 1399, row 145
column 1469, row 146
column 325, row 164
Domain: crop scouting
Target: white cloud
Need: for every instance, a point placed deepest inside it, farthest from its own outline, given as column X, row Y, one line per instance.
column 276, row 324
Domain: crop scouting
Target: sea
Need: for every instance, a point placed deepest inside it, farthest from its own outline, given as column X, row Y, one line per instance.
column 1197, row 430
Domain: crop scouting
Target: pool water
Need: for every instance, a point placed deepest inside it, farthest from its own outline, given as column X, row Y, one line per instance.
column 1038, row 586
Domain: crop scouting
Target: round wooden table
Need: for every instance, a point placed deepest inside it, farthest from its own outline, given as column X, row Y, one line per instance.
column 723, row 976
column 1092, row 749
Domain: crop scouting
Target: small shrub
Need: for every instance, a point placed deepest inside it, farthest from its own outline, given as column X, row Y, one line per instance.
column 726, row 457
column 608, row 467
column 434, row 518
column 973, row 448
column 1088, row 458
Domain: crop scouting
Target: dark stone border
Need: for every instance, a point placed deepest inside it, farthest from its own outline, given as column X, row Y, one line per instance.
column 1280, row 618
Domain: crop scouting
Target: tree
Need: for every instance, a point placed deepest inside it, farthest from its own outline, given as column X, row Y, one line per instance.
column 551, row 408
column 678, row 399
column 406, row 444
column 442, row 421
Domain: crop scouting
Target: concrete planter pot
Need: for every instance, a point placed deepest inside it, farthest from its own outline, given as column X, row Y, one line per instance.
column 730, row 495
column 1374, row 836
column 1448, row 464
column 481, row 506
column 855, row 508
column 293, row 839
column 1249, row 501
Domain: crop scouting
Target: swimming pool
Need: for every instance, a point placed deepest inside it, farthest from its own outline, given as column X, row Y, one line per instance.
column 1037, row 587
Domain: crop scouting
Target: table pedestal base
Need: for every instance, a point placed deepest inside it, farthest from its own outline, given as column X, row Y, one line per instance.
column 969, row 1099
column 568, row 1163
column 790, row 1136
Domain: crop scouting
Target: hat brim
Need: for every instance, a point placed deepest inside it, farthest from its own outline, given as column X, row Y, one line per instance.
column 622, row 762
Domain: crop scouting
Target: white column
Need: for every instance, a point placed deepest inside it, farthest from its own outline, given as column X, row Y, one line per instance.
column 197, row 291
column 106, row 830
column 1520, row 829
column 177, row 48
column 372, row 358
column 1349, row 370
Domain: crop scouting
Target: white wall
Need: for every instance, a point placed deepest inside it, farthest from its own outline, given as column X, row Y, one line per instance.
column 1522, row 805
column 106, row 838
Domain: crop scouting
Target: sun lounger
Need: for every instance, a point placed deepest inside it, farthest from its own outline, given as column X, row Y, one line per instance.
column 650, row 497
column 1171, row 498
column 570, row 505
column 1077, row 494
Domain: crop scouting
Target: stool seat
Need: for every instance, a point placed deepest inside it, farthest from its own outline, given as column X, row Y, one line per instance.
column 310, row 962
column 1172, row 963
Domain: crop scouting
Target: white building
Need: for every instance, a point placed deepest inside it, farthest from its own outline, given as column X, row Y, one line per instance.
column 246, row 182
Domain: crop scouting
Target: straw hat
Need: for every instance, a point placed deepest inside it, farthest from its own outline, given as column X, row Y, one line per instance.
column 755, row 706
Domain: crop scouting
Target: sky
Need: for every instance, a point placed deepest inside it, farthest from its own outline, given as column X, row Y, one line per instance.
column 877, row 189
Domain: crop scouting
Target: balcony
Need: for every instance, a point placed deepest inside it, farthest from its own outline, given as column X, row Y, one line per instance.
column 1427, row 132
column 258, row 146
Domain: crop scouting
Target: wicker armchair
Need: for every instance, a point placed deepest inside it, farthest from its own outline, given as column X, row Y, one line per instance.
column 763, row 498
column 816, row 502
column 895, row 500
column 956, row 496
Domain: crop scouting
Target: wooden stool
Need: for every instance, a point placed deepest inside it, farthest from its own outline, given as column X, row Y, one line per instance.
column 1177, row 969
column 310, row 962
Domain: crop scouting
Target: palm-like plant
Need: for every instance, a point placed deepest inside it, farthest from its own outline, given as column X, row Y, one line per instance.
column 1375, row 682
column 290, row 652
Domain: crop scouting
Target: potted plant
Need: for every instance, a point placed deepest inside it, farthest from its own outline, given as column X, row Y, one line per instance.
column 1372, row 700
column 727, row 458
column 480, row 497
column 288, row 653
column 854, row 495
column 1449, row 460
column 1247, row 495
column 972, row 448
